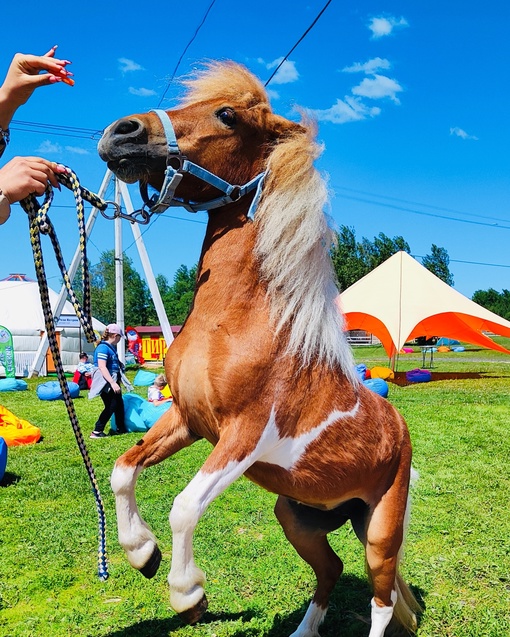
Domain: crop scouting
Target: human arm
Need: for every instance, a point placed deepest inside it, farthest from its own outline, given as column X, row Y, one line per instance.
column 23, row 176
column 101, row 363
column 24, row 76
column 162, row 401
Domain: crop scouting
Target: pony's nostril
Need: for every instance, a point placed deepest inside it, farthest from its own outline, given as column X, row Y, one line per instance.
column 127, row 127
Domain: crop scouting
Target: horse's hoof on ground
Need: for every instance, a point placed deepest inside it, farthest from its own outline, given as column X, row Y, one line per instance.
column 151, row 568
column 195, row 614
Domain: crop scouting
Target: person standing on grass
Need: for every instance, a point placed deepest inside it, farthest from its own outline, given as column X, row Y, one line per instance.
column 106, row 381
column 23, row 176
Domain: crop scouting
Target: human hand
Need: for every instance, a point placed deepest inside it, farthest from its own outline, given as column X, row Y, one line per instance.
column 116, row 387
column 23, row 176
column 24, row 76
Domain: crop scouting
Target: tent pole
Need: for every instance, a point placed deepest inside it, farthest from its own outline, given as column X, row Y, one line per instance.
column 119, row 276
column 147, row 268
column 40, row 355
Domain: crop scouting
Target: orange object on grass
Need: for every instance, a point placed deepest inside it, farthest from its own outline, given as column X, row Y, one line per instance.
column 16, row 431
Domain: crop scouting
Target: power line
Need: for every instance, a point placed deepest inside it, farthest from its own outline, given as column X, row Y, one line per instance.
column 56, row 129
column 184, row 52
column 299, row 41
column 417, row 203
column 426, row 214
column 490, row 265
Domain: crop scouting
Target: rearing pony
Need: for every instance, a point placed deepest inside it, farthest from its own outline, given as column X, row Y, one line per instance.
column 261, row 368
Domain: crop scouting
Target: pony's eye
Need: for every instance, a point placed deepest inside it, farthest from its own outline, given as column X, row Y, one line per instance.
column 227, row 116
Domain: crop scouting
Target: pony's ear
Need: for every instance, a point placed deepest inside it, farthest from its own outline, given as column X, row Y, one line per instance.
column 280, row 127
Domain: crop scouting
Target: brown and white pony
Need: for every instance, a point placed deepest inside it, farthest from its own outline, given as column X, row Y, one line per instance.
column 261, row 368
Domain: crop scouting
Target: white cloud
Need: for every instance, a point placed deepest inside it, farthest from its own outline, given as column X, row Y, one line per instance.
column 141, row 92
column 272, row 94
column 382, row 27
column 378, row 87
column 350, row 109
column 286, row 74
column 461, row 133
column 370, row 67
column 49, row 148
column 77, row 150
column 127, row 65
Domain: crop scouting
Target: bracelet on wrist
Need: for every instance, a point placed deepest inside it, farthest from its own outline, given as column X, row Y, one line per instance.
column 5, row 136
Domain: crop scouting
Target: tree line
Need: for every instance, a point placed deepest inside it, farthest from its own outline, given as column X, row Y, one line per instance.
column 352, row 260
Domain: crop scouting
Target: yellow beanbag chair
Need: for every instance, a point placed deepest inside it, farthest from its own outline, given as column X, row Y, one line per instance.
column 382, row 372
column 16, row 431
column 166, row 392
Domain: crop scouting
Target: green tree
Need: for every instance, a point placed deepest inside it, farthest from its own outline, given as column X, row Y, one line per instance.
column 178, row 297
column 497, row 302
column 437, row 262
column 138, row 304
column 352, row 259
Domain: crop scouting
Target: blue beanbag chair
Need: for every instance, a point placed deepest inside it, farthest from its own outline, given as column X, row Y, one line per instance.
column 418, row 376
column 139, row 414
column 3, row 457
column 51, row 390
column 12, row 384
column 361, row 371
column 377, row 385
column 144, row 378
column 458, row 349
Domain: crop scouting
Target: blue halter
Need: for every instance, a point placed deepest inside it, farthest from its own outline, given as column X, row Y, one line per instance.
column 166, row 198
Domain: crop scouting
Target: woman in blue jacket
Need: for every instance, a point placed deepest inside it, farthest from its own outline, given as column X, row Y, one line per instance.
column 107, row 360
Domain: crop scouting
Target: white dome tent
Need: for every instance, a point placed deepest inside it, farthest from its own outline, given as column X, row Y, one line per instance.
column 22, row 314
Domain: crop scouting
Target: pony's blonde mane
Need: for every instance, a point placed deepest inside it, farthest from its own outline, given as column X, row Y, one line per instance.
column 293, row 243
column 293, row 238
column 228, row 80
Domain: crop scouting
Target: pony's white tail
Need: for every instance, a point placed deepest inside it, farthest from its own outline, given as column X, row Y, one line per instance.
column 406, row 606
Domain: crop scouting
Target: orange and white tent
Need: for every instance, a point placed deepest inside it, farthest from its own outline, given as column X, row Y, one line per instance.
column 401, row 300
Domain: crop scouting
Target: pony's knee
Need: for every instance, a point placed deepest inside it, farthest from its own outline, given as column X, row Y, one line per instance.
column 123, row 479
column 184, row 514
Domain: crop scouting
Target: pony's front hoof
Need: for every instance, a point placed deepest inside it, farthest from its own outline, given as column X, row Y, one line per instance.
column 151, row 568
column 195, row 614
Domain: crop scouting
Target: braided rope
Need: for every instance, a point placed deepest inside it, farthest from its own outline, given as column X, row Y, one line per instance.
column 39, row 223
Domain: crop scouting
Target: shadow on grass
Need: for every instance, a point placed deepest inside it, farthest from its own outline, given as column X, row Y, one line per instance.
column 401, row 380
column 348, row 614
column 164, row 627
column 9, row 479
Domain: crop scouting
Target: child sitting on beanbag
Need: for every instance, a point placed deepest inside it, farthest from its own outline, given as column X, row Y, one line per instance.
column 155, row 393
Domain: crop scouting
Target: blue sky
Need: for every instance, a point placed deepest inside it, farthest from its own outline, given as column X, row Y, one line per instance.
column 411, row 100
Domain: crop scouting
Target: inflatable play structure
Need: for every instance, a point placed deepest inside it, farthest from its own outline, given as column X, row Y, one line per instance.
column 135, row 345
column 51, row 390
column 139, row 414
column 16, row 431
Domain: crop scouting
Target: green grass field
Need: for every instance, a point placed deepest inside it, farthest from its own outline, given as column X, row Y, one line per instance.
column 457, row 553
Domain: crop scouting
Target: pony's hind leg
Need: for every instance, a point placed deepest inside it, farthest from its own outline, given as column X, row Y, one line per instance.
column 306, row 529
column 165, row 438
column 384, row 538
